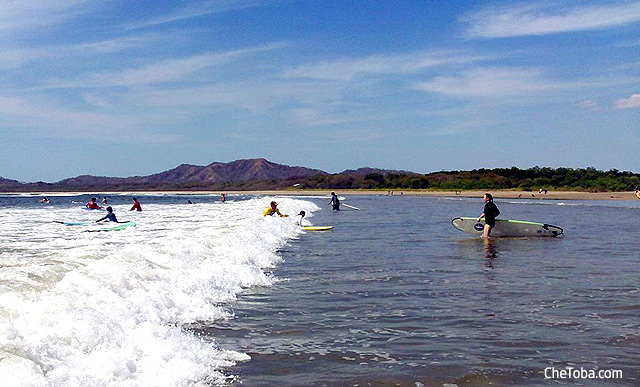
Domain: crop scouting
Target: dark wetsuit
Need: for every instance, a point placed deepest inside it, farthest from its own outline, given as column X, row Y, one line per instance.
column 111, row 216
column 335, row 202
column 490, row 213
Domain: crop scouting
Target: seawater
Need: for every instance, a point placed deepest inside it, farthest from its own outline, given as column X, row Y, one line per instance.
column 82, row 308
column 212, row 293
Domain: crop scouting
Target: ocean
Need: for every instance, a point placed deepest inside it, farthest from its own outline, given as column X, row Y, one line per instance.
column 212, row 294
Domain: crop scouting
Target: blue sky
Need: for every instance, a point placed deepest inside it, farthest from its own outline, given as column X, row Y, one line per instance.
column 124, row 88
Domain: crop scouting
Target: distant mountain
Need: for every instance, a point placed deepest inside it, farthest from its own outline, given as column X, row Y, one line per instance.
column 185, row 176
column 239, row 170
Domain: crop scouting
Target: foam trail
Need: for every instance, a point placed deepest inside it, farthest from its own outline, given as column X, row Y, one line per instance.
column 105, row 309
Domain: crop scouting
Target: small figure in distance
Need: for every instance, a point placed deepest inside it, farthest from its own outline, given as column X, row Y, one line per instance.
column 92, row 205
column 637, row 192
column 300, row 220
column 136, row 205
column 105, row 200
column 490, row 213
column 336, row 202
column 223, row 197
column 273, row 209
column 110, row 216
column 45, row 200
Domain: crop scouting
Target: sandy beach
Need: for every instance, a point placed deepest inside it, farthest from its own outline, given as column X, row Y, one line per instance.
column 498, row 194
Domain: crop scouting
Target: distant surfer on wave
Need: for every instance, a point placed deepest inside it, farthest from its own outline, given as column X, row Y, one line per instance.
column 273, row 209
column 335, row 201
column 92, row 205
column 489, row 214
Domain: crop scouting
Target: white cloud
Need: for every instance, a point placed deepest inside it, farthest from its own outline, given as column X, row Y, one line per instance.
column 633, row 102
column 591, row 105
column 18, row 15
column 199, row 9
column 490, row 83
column 169, row 70
column 543, row 20
column 348, row 69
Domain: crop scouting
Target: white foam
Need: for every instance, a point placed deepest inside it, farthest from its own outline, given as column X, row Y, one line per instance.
column 110, row 308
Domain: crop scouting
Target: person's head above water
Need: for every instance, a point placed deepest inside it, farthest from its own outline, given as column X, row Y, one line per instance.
column 302, row 213
column 109, row 209
column 274, row 204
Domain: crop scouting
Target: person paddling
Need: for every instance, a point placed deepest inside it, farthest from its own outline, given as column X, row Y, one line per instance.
column 273, row 209
column 110, row 216
column 489, row 214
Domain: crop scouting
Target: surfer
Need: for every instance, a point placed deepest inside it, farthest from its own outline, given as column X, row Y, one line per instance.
column 489, row 214
column 335, row 201
column 273, row 209
column 105, row 200
column 45, row 200
column 223, row 198
column 300, row 219
column 136, row 205
column 92, row 205
column 110, row 216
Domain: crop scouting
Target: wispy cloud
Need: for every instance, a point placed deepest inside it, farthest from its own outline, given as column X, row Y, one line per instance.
column 347, row 69
column 548, row 19
column 168, row 70
column 633, row 102
column 199, row 9
column 591, row 105
column 491, row 83
column 21, row 15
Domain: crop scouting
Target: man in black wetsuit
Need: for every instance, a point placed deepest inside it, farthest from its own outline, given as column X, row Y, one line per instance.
column 110, row 215
column 490, row 213
column 335, row 201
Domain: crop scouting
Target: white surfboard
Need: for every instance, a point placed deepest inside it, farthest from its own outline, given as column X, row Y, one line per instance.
column 508, row 228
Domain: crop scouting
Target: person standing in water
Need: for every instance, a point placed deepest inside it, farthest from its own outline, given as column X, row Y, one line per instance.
column 92, row 205
column 136, row 205
column 489, row 214
column 300, row 220
column 335, row 201
column 223, row 197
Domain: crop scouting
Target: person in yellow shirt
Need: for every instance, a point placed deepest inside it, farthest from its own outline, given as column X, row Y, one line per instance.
column 273, row 209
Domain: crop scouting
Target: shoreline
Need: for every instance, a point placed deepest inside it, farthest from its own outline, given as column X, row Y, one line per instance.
column 497, row 194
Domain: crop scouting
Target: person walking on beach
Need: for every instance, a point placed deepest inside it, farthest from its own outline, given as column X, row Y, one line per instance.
column 335, row 201
column 637, row 192
column 92, row 205
column 490, row 213
column 136, row 205
column 273, row 209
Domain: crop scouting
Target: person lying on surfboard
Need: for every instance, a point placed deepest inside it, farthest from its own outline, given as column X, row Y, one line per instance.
column 489, row 214
column 110, row 216
column 273, row 209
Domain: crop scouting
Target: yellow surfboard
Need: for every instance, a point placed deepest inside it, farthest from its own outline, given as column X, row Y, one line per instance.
column 317, row 228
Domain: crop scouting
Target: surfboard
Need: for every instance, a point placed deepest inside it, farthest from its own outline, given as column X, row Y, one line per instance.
column 317, row 228
column 119, row 227
column 508, row 228
column 73, row 223
column 346, row 205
